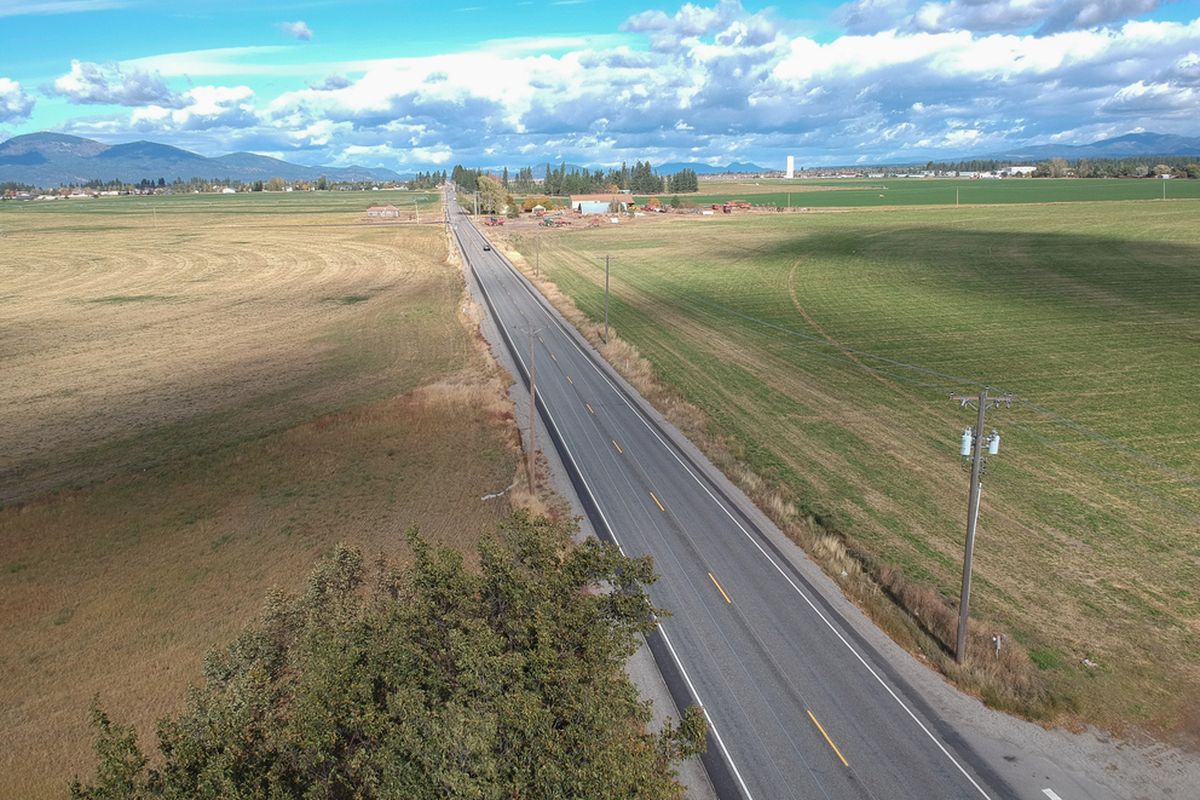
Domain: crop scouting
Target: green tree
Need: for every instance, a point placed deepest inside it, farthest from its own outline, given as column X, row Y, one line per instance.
column 430, row 681
column 322, row 184
column 492, row 194
column 1192, row 170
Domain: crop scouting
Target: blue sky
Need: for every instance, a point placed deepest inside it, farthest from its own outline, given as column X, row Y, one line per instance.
column 406, row 84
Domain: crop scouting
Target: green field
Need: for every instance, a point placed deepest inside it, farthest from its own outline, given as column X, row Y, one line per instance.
column 822, row 349
column 257, row 203
column 936, row 191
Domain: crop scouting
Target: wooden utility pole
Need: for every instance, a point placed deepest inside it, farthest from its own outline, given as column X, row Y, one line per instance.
column 975, row 451
column 537, row 254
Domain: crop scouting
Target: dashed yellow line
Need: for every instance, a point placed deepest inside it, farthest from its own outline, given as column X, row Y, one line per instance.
column 657, row 502
column 570, row 381
column 619, row 450
column 827, row 739
column 591, row 410
column 719, row 588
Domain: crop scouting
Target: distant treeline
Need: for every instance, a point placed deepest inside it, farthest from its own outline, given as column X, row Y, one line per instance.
column 1133, row 167
column 427, row 180
column 566, row 180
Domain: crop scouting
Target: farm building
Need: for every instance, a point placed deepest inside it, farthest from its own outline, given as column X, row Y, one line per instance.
column 599, row 203
column 383, row 212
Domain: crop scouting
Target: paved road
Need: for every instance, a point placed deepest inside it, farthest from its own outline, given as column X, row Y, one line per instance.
column 799, row 706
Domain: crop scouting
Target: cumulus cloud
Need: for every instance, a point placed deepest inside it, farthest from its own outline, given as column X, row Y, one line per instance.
column 331, row 83
column 15, row 104
column 986, row 16
column 1050, row 16
column 297, row 30
column 110, row 84
column 728, row 21
column 201, row 108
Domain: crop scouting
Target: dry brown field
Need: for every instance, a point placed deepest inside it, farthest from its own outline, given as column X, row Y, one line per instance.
column 201, row 395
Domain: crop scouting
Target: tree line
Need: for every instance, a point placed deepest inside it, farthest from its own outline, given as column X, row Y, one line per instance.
column 431, row 680
column 1058, row 167
column 561, row 180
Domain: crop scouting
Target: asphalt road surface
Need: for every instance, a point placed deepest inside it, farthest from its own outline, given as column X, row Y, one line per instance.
column 799, row 705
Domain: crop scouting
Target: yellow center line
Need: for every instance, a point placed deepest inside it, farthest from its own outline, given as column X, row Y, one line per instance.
column 828, row 740
column 570, row 381
column 619, row 450
column 591, row 410
column 654, row 497
column 719, row 589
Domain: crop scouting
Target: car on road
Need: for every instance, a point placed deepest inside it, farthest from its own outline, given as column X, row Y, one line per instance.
column 487, row 246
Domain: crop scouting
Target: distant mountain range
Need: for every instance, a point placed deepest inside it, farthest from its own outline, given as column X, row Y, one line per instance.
column 53, row 159
column 707, row 169
column 1128, row 146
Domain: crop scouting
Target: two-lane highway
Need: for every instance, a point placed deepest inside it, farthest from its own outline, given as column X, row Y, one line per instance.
column 799, row 706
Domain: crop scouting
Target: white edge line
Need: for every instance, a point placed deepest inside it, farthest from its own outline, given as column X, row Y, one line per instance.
column 670, row 449
column 1053, row 795
column 691, row 687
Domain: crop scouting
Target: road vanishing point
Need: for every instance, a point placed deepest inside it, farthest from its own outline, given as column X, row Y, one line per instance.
column 798, row 704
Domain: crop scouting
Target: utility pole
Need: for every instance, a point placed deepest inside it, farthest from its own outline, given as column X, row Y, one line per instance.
column 537, row 254
column 477, row 202
column 956, row 197
column 606, row 259
column 416, row 211
column 972, row 446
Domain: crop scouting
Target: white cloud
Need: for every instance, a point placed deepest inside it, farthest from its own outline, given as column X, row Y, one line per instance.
column 15, row 104
column 986, row 16
column 16, row 8
column 201, row 108
column 224, row 61
column 297, row 30
column 110, row 84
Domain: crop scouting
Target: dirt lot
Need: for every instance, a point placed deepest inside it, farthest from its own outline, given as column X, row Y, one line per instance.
column 199, row 400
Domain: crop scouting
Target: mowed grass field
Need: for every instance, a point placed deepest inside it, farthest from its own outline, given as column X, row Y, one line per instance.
column 897, row 192
column 201, row 396
column 822, row 349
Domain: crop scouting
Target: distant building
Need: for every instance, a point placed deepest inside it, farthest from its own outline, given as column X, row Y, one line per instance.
column 791, row 167
column 599, row 203
column 383, row 212
column 1019, row 170
column 229, row 190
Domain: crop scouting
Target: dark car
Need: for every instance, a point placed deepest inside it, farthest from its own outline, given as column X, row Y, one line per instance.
column 487, row 246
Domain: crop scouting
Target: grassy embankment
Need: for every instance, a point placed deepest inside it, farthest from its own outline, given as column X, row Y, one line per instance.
column 201, row 395
column 820, row 350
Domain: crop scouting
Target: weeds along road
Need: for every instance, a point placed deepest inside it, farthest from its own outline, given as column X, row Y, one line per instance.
column 799, row 705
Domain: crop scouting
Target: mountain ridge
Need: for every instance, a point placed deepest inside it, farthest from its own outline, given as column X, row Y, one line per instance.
column 48, row 159
column 1130, row 145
